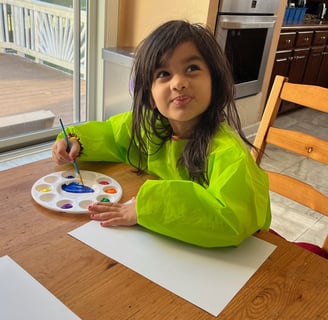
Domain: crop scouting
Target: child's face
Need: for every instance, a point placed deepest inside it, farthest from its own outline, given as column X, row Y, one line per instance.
column 182, row 88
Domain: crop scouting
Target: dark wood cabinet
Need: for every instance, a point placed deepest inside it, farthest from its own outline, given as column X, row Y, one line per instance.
column 298, row 65
column 281, row 64
column 286, row 40
column 303, row 39
column 322, row 79
column 320, row 37
column 313, row 65
column 302, row 56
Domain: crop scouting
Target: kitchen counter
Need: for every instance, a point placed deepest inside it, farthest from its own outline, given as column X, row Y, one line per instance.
column 313, row 24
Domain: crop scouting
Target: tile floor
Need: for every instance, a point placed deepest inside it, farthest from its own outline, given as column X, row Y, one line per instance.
column 291, row 220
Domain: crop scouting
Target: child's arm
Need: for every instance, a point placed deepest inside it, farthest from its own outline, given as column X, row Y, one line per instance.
column 100, row 140
column 233, row 207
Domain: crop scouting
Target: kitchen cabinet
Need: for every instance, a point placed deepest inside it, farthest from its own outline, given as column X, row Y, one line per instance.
column 281, row 64
column 320, row 37
column 302, row 56
column 298, row 64
column 313, row 65
column 322, row 79
column 286, row 40
column 291, row 56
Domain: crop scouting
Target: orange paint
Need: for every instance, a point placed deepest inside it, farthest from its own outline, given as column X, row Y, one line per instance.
column 110, row 190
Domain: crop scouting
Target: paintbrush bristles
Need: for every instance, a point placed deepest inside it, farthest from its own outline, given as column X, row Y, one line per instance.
column 81, row 180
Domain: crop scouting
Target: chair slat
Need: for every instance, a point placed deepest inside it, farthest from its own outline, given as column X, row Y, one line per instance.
column 314, row 97
column 298, row 191
column 300, row 143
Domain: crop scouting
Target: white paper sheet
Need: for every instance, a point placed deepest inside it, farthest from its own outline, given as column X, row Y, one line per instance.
column 22, row 297
column 208, row 278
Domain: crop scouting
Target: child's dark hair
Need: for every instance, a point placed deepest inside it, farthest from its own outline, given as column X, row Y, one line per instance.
column 146, row 118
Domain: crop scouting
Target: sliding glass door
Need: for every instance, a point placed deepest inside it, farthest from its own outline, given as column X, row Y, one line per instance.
column 43, row 68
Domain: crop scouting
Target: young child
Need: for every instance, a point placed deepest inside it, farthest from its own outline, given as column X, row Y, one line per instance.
column 184, row 129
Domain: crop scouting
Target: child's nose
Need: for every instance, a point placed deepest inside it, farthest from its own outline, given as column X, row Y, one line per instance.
column 179, row 82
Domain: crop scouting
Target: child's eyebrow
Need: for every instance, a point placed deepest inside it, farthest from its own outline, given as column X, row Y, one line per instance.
column 193, row 58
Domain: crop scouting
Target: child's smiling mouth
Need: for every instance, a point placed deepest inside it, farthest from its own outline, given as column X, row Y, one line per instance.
column 181, row 100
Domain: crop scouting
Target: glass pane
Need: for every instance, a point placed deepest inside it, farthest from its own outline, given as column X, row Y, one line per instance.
column 37, row 62
column 244, row 49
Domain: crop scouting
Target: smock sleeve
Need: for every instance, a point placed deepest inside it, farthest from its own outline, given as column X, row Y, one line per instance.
column 233, row 206
column 104, row 140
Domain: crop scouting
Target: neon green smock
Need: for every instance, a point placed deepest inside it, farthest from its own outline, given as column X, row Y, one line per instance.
column 233, row 206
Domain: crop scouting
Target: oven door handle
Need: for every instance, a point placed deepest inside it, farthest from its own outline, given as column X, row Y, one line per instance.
column 247, row 24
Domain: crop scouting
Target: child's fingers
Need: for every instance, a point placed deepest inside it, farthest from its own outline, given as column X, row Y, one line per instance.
column 105, row 215
column 59, row 152
column 75, row 149
column 119, row 221
column 100, row 207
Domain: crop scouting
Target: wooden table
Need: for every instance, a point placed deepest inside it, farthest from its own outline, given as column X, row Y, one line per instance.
column 291, row 284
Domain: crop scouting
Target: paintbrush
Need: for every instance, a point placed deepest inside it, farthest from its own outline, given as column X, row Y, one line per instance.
column 69, row 148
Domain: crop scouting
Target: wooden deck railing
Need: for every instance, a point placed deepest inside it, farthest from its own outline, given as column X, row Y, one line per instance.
column 41, row 31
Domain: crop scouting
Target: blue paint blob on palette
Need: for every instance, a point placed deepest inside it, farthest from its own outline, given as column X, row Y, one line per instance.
column 76, row 187
column 62, row 191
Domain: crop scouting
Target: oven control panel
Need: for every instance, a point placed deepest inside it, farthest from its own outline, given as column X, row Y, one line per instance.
column 248, row 6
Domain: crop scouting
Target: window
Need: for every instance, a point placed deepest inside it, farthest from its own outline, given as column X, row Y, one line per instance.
column 44, row 68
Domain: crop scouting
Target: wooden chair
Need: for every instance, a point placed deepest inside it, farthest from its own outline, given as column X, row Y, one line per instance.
column 294, row 141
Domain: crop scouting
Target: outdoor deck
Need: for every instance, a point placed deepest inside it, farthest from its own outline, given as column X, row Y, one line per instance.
column 27, row 86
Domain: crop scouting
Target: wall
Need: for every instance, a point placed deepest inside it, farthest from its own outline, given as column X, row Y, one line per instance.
column 137, row 18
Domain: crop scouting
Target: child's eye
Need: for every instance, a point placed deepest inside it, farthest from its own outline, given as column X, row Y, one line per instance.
column 193, row 67
column 162, row 74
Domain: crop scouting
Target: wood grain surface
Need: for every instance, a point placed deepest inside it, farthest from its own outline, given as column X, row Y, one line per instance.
column 291, row 284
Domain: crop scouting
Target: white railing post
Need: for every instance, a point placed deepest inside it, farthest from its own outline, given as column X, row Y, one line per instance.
column 42, row 31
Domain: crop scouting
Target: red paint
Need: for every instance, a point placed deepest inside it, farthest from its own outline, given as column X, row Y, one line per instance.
column 103, row 182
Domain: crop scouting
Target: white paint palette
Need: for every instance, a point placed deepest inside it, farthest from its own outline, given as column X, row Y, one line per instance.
column 56, row 191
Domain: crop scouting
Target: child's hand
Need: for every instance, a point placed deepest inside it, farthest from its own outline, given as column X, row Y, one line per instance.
column 114, row 214
column 60, row 154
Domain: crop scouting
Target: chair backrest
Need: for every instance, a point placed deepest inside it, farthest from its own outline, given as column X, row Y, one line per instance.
column 312, row 147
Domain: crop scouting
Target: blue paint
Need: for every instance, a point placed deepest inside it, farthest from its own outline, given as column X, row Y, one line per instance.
column 75, row 187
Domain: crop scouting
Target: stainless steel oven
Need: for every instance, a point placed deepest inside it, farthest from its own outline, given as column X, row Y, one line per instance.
column 244, row 30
